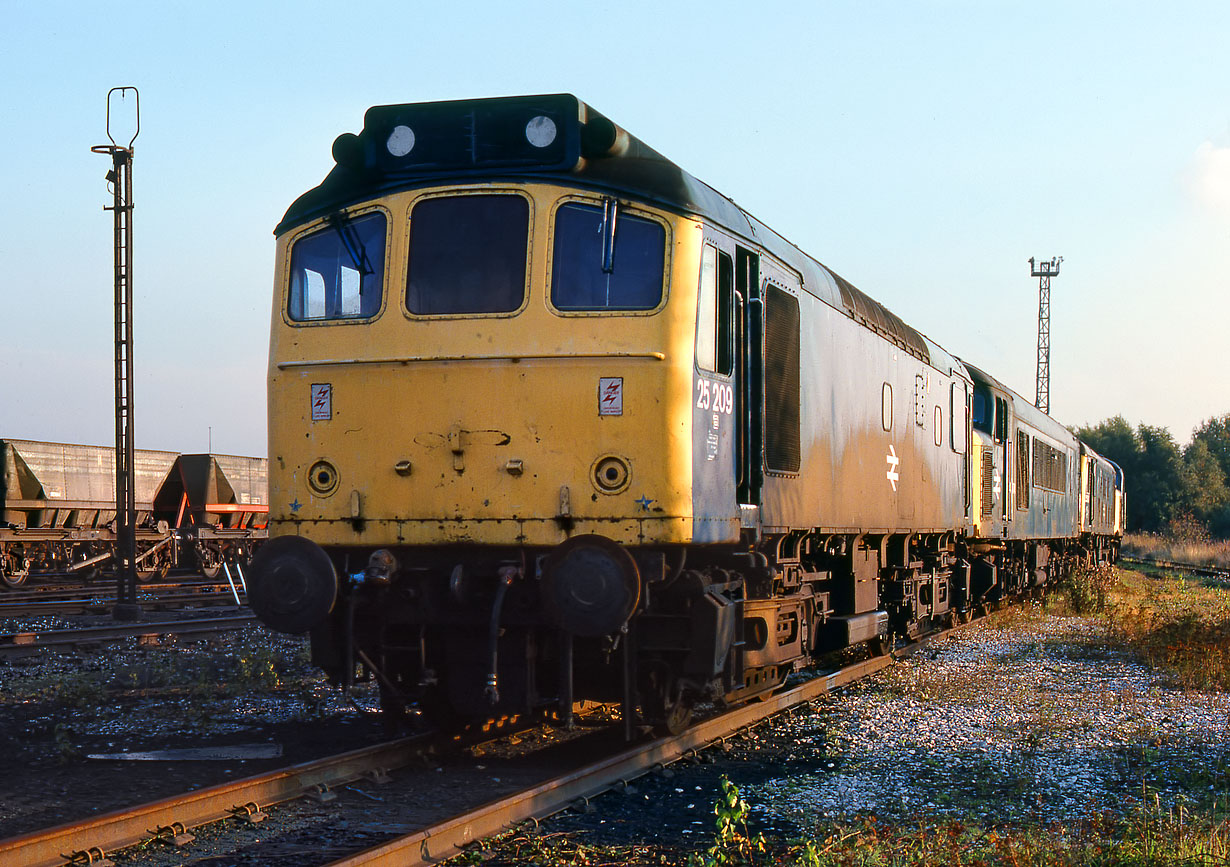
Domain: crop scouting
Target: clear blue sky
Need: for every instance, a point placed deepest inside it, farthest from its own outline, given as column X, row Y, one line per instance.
column 924, row 150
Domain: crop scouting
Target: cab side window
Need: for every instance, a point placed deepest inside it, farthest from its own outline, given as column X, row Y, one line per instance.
column 983, row 410
column 781, row 380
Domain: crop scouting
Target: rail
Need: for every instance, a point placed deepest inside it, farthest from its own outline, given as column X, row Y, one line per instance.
column 1194, row 568
column 439, row 842
column 242, row 799
column 79, row 599
column 20, row 642
column 89, row 840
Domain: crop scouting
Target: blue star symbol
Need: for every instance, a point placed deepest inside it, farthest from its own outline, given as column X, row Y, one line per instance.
column 296, row 505
column 644, row 503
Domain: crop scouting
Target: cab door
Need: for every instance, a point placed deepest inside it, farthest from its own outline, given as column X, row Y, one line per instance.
column 749, row 377
column 1003, row 424
column 716, row 431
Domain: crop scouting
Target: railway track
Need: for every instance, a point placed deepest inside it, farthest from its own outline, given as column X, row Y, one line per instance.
column 155, row 597
column 1221, row 575
column 147, row 632
column 172, row 819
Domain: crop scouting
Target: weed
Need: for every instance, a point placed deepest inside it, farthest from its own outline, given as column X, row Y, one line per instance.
column 1160, row 836
column 66, row 748
column 256, row 668
column 82, row 691
column 731, row 844
column 1155, row 833
column 1087, row 589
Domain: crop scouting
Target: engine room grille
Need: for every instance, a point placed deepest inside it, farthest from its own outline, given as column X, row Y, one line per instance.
column 1050, row 468
column 988, row 507
column 1022, row 469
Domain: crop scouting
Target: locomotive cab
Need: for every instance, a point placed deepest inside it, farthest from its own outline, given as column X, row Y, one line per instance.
column 989, row 457
column 990, row 416
column 481, row 420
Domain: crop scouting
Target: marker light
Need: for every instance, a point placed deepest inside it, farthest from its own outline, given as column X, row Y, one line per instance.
column 540, row 131
column 401, row 141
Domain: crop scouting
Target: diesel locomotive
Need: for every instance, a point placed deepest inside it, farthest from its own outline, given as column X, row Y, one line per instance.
column 551, row 420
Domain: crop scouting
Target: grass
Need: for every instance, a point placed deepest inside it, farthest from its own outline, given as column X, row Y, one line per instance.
column 1178, row 625
column 1193, row 549
column 1157, row 834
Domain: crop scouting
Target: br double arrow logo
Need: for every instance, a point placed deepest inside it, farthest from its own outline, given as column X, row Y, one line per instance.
column 892, row 475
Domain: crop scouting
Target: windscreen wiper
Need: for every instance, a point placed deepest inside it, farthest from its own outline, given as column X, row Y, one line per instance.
column 345, row 229
column 610, row 215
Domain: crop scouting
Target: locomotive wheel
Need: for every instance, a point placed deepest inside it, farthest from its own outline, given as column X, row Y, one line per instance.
column 881, row 645
column 12, row 578
column 211, row 572
column 677, row 717
column 665, row 706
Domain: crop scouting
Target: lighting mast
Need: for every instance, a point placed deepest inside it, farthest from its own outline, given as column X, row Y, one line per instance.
column 1044, row 271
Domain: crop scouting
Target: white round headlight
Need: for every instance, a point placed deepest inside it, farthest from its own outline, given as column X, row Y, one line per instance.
column 540, row 131
column 401, row 141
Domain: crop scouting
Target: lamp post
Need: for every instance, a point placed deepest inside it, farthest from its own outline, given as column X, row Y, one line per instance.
column 120, row 181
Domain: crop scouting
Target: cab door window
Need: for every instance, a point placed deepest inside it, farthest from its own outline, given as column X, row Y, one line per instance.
column 714, row 335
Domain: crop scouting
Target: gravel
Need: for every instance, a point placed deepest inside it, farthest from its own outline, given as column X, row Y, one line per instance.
column 1027, row 718
column 251, row 686
column 1039, row 720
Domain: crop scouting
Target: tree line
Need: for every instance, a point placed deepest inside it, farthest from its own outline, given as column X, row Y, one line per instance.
column 1170, row 489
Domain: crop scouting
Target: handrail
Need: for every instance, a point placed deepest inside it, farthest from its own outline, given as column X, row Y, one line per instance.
column 420, row 359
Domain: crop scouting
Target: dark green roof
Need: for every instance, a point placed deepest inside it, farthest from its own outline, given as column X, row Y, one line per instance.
column 402, row 147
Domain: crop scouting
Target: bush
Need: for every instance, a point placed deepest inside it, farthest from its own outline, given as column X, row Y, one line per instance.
column 1185, row 527
column 1086, row 588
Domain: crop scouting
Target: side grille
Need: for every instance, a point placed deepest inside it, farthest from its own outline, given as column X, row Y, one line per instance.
column 987, row 506
column 1022, row 469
